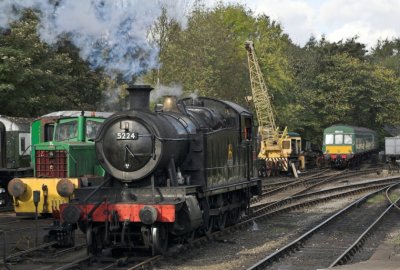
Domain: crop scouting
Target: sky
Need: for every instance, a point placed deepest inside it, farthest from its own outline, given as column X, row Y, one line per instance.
column 370, row 20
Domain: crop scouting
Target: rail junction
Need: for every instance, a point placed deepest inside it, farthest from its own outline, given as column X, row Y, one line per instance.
column 283, row 202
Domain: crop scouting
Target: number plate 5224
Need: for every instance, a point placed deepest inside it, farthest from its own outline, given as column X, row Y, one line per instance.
column 127, row 136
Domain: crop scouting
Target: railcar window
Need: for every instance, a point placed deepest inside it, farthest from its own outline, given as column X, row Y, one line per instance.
column 338, row 139
column 329, row 139
column 91, row 129
column 66, row 131
column 348, row 139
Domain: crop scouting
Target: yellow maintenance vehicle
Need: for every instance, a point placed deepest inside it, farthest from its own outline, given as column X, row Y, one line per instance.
column 278, row 149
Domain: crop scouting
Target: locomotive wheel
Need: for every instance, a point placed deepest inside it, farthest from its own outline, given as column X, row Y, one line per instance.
column 262, row 171
column 191, row 236
column 89, row 238
column 94, row 239
column 274, row 169
column 209, row 226
column 233, row 216
column 220, row 221
column 159, row 239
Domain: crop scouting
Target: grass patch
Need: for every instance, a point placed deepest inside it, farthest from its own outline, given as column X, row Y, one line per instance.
column 377, row 199
column 395, row 239
column 394, row 197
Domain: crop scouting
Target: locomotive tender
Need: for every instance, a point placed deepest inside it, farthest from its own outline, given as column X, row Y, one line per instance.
column 346, row 146
column 186, row 168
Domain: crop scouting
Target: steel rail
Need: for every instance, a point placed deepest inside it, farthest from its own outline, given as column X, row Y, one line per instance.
column 144, row 264
column 351, row 250
column 328, row 180
column 6, row 209
column 303, row 177
column 300, row 196
column 297, row 242
column 195, row 243
column 248, row 221
column 300, row 182
column 18, row 254
column 74, row 263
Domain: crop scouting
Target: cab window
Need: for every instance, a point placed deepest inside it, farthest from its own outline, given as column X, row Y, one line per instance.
column 329, row 139
column 286, row 144
column 248, row 129
column 91, row 129
column 66, row 130
column 348, row 139
column 48, row 132
column 338, row 139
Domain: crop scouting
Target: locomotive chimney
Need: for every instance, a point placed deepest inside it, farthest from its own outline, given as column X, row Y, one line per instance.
column 139, row 97
column 170, row 104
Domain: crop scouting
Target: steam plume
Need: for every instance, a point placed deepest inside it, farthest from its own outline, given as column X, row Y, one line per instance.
column 110, row 34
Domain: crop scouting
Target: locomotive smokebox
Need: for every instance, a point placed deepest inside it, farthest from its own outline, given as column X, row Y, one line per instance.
column 139, row 97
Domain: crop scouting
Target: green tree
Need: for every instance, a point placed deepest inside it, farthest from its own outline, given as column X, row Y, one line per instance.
column 335, row 86
column 208, row 57
column 387, row 53
column 36, row 78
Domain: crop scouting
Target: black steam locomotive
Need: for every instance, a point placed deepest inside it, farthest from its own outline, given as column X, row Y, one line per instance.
column 184, row 169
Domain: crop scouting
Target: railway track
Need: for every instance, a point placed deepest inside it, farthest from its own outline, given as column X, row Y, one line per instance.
column 331, row 240
column 306, row 195
column 5, row 209
column 95, row 263
column 277, row 183
column 301, row 186
column 267, row 214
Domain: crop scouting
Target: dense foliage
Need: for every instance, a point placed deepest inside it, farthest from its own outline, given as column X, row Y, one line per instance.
column 340, row 83
column 36, row 78
column 312, row 87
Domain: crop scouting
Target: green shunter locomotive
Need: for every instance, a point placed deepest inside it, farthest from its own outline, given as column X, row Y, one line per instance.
column 63, row 158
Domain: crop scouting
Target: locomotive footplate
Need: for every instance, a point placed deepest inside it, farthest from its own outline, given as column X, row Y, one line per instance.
column 131, row 212
column 161, row 204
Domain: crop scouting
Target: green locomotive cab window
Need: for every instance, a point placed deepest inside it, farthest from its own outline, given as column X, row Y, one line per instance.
column 338, row 139
column 48, row 132
column 91, row 129
column 348, row 139
column 66, row 131
column 329, row 139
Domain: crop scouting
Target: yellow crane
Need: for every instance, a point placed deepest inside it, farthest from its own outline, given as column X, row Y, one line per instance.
column 276, row 146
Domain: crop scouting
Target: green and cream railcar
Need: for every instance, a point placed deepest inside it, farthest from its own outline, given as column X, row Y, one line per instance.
column 345, row 146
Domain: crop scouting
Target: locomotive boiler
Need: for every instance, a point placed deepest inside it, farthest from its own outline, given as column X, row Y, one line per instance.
column 185, row 169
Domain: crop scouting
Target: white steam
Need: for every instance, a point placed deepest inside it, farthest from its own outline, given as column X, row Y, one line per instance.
column 110, row 34
column 162, row 90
